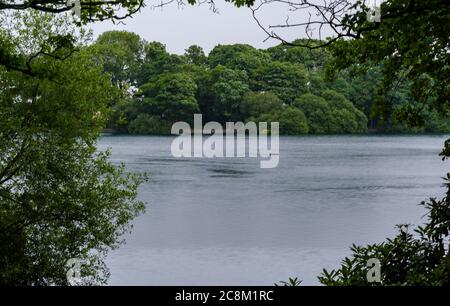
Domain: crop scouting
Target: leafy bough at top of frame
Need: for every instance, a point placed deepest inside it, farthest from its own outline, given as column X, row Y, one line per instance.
column 91, row 10
column 99, row 10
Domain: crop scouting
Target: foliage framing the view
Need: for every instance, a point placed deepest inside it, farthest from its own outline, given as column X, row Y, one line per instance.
column 59, row 197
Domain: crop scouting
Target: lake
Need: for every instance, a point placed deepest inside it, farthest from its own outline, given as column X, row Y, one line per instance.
column 226, row 221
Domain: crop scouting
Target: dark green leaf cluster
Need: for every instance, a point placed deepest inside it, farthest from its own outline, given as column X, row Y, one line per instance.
column 411, row 47
column 59, row 197
column 417, row 257
column 233, row 83
column 222, row 85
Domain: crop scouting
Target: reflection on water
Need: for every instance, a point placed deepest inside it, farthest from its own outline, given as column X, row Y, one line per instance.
column 225, row 221
column 228, row 172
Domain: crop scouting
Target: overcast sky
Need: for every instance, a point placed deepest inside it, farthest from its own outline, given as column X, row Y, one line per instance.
column 178, row 28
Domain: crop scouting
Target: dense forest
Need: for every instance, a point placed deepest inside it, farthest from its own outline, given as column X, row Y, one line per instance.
column 240, row 83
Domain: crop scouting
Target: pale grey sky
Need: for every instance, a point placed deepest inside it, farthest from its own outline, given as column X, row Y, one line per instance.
column 178, row 28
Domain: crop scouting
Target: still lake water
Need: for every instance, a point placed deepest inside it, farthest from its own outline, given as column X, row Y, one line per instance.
column 225, row 221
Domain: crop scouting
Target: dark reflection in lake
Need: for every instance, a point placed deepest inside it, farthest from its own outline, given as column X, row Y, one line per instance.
column 227, row 222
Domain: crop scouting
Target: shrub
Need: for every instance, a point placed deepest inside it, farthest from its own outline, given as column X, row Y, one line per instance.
column 147, row 124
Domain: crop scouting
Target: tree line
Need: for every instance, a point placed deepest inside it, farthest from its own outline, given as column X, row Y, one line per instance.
column 241, row 83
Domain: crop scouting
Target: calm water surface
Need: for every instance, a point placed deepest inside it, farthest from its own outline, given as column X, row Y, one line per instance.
column 228, row 222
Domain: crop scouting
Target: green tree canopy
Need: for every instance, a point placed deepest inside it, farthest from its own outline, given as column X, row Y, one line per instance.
column 332, row 113
column 59, row 197
column 220, row 95
column 195, row 55
column 312, row 59
column 122, row 54
column 317, row 111
column 411, row 43
column 157, row 61
column 237, row 56
column 254, row 104
column 287, row 81
column 171, row 97
column 291, row 119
